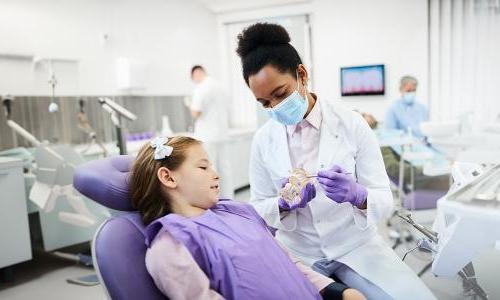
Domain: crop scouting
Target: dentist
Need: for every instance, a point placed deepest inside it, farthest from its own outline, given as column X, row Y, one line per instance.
column 334, row 227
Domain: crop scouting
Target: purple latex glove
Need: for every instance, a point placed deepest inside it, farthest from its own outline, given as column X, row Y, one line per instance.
column 307, row 194
column 341, row 187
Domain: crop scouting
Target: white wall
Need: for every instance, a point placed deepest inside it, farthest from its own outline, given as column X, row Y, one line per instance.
column 166, row 37
column 359, row 32
column 169, row 36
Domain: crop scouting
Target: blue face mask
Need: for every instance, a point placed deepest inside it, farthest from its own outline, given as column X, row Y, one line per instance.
column 291, row 110
column 409, row 97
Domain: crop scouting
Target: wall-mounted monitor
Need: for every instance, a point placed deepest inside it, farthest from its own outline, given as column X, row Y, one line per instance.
column 362, row 80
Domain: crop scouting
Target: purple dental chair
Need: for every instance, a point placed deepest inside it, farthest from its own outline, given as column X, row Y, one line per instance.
column 422, row 199
column 118, row 249
column 419, row 199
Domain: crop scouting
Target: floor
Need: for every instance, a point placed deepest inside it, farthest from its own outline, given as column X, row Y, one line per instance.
column 45, row 276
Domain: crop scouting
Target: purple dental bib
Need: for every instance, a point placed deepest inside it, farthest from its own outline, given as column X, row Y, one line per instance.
column 232, row 245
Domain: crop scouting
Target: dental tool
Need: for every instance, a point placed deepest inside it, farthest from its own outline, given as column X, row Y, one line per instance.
column 311, row 176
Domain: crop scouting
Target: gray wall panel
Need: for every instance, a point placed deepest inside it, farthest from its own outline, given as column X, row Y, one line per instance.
column 32, row 113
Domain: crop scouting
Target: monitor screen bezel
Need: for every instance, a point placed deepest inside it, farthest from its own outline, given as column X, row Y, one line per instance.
column 378, row 93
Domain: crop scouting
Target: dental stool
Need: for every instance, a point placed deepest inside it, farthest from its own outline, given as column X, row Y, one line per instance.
column 118, row 248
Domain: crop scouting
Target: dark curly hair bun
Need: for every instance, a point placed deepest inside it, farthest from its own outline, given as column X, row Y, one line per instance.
column 263, row 44
column 261, row 34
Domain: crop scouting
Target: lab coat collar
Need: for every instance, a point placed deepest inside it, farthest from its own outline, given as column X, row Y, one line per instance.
column 330, row 118
column 280, row 154
column 330, row 138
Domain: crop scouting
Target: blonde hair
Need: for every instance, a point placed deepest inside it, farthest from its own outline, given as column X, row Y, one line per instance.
column 144, row 185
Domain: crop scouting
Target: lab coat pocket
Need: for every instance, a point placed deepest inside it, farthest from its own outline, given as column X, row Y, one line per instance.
column 339, row 213
column 360, row 218
column 348, row 164
column 344, row 213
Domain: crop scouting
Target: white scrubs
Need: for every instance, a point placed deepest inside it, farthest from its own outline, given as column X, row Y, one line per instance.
column 211, row 127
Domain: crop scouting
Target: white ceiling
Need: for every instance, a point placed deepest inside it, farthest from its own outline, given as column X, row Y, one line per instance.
column 222, row 6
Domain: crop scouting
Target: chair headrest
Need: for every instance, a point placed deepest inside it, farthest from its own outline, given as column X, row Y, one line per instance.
column 106, row 181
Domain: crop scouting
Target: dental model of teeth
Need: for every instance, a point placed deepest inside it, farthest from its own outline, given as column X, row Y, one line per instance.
column 292, row 190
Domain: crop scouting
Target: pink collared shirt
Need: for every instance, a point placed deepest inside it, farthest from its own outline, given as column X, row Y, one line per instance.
column 303, row 140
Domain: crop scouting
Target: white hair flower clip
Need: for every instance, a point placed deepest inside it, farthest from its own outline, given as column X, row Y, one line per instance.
column 161, row 150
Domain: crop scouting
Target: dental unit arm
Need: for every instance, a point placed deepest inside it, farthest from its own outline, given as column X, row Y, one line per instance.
column 465, row 211
column 430, row 243
column 430, row 234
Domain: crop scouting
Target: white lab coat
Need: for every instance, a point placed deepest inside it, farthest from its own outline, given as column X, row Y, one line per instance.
column 212, row 128
column 210, row 99
column 325, row 229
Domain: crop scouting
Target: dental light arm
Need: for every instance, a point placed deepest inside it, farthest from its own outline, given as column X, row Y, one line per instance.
column 117, row 112
column 110, row 105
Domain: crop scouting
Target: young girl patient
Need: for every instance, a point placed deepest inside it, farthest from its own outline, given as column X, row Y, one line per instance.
column 203, row 248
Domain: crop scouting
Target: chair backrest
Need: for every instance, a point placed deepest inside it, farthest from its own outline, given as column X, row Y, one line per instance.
column 119, row 252
column 118, row 248
column 422, row 199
